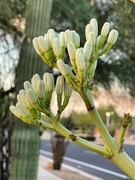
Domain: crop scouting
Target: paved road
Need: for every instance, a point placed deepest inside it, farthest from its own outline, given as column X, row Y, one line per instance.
column 89, row 161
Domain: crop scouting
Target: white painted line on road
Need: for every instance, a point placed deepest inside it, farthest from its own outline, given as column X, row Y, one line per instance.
column 89, row 165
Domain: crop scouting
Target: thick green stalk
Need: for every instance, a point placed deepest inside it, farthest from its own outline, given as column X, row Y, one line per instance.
column 77, row 140
column 117, row 155
column 107, row 139
column 124, row 162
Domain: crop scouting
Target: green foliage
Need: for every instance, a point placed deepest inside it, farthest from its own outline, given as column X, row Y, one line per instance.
column 10, row 10
column 72, row 15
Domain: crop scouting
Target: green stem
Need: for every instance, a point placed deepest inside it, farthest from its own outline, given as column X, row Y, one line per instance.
column 76, row 139
column 107, row 139
column 124, row 162
column 120, row 136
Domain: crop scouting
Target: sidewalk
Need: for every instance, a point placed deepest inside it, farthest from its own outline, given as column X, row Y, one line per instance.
column 70, row 172
column 43, row 174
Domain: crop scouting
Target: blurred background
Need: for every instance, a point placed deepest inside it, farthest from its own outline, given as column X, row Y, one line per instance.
column 114, row 82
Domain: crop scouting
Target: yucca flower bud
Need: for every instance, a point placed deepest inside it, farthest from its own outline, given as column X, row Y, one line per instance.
column 80, row 62
column 113, row 36
column 59, row 89
column 44, row 43
column 76, row 39
column 62, row 40
column 27, row 85
column 15, row 111
column 34, row 82
column 39, row 50
column 92, row 70
column 46, row 47
column 67, row 94
column 62, row 68
column 49, row 86
column 32, row 108
column 68, row 36
column 59, row 85
column 94, row 25
column 72, row 53
column 36, row 46
column 57, row 48
column 41, row 92
column 98, row 41
column 51, row 34
column 31, row 96
column 88, row 29
column 87, row 50
column 22, row 110
column 40, row 89
column 21, row 97
column 105, row 29
column 67, row 90
column 92, row 38
column 49, row 82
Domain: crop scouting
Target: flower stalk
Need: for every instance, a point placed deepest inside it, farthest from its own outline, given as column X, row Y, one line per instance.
column 34, row 101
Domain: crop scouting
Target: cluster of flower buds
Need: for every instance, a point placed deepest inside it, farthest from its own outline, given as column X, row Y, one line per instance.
column 52, row 47
column 83, row 59
column 36, row 97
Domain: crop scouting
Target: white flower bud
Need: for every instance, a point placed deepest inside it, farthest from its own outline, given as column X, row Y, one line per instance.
column 98, row 41
column 59, row 89
column 88, row 29
column 44, row 43
column 92, row 70
column 22, row 110
column 49, row 82
column 60, row 85
column 51, row 34
column 67, row 90
column 87, row 50
column 15, row 111
column 36, row 46
column 113, row 36
column 62, row 40
column 31, row 96
column 80, row 62
column 57, row 48
column 40, row 89
column 21, row 97
column 105, row 29
column 76, row 39
column 34, row 82
column 72, row 53
column 68, row 36
column 92, row 38
column 94, row 25
column 62, row 68
column 27, row 85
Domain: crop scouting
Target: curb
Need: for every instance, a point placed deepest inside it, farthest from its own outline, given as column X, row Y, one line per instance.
column 72, row 169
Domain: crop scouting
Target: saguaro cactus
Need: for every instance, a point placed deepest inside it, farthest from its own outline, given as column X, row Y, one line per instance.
column 25, row 139
column 79, row 77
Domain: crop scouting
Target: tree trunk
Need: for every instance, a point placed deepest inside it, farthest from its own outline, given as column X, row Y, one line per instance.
column 25, row 138
column 58, row 148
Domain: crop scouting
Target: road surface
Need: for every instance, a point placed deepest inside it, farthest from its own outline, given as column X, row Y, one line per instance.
column 88, row 161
